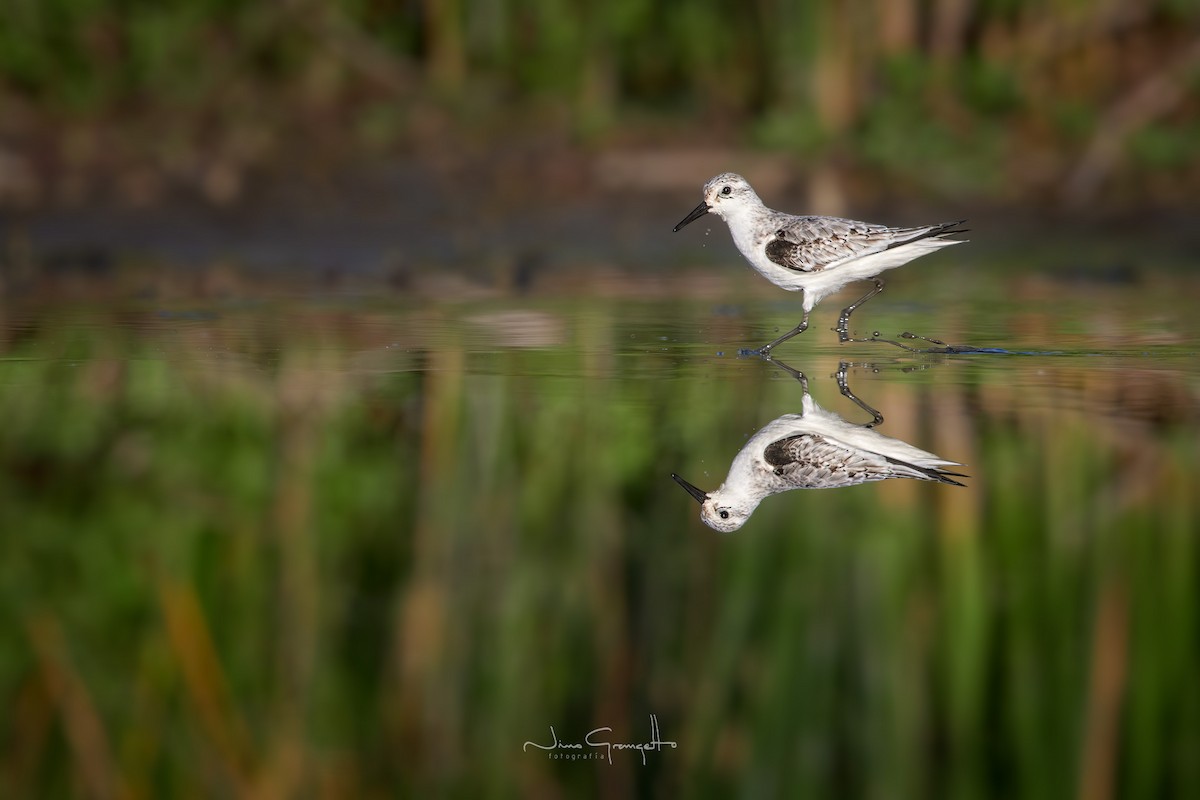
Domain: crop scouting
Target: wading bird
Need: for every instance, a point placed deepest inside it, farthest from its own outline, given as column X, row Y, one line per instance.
column 818, row 255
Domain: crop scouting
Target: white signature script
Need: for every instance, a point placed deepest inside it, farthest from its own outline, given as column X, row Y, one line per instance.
column 575, row 749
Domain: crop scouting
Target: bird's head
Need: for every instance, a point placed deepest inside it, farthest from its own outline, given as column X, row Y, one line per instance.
column 723, row 195
column 720, row 510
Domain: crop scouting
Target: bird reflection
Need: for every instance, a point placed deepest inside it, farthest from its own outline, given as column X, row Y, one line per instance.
column 815, row 449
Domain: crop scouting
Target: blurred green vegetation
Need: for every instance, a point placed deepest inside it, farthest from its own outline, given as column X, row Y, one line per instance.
column 305, row 551
column 988, row 99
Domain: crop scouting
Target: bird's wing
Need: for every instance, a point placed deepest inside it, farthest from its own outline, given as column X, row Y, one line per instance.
column 812, row 461
column 810, row 244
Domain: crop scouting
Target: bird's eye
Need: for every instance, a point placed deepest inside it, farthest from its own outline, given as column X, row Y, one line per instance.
column 726, row 190
column 724, row 514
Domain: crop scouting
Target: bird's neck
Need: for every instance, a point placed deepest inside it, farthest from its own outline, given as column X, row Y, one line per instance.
column 743, row 485
column 742, row 495
column 743, row 224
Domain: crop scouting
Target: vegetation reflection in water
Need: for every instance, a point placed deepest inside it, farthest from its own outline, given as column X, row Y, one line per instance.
column 275, row 557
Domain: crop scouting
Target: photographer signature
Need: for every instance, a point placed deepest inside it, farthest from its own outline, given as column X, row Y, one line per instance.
column 574, row 750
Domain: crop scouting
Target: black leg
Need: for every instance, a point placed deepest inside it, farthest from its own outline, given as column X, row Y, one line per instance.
column 845, row 390
column 844, row 322
column 765, row 351
column 844, row 318
column 795, row 373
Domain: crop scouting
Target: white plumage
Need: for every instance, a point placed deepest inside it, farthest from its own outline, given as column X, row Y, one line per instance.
column 818, row 255
column 815, row 449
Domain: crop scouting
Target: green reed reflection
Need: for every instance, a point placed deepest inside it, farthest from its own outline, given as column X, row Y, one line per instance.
column 288, row 559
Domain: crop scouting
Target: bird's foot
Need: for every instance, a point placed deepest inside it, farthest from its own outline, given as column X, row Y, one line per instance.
column 941, row 347
column 907, row 335
column 844, row 337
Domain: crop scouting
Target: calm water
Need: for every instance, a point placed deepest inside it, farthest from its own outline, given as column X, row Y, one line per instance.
column 375, row 546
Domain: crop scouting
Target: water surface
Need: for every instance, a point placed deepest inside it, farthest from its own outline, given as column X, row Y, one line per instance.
column 378, row 542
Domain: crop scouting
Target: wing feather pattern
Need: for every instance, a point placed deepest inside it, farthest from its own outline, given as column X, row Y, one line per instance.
column 810, row 244
column 812, row 461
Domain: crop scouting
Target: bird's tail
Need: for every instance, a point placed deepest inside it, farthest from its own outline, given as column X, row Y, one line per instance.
column 931, row 473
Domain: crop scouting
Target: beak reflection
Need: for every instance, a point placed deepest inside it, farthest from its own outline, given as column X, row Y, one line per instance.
column 699, row 494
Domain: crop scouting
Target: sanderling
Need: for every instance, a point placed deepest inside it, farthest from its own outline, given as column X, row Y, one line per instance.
column 817, row 254
column 815, row 449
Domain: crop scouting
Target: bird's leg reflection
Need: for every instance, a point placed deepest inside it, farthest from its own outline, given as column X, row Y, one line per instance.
column 844, row 388
column 795, row 373
column 843, row 368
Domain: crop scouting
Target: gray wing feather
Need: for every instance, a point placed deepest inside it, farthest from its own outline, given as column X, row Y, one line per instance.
column 811, row 461
column 809, row 244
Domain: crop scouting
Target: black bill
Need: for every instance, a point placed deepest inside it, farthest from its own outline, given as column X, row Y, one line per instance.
column 697, row 212
column 699, row 494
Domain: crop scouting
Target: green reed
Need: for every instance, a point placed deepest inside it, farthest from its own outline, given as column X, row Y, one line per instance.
column 943, row 94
